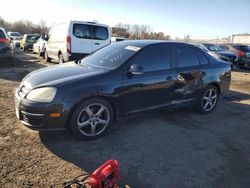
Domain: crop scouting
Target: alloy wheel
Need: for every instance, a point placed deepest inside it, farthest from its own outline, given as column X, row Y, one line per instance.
column 93, row 119
column 209, row 99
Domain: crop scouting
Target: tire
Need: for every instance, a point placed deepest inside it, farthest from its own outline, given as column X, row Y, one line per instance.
column 60, row 59
column 96, row 116
column 208, row 99
column 46, row 57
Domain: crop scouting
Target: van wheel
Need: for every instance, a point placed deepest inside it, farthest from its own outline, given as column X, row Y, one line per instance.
column 91, row 119
column 60, row 59
column 208, row 100
column 46, row 57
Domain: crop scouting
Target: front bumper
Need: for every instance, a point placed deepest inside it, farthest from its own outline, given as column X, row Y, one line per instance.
column 28, row 46
column 36, row 116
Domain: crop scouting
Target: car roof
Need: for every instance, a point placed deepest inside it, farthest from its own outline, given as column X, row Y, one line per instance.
column 144, row 43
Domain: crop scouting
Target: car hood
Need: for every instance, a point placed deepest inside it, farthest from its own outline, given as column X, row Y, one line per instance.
column 226, row 54
column 51, row 76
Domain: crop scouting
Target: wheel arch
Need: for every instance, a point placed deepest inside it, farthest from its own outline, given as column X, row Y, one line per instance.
column 216, row 84
column 107, row 99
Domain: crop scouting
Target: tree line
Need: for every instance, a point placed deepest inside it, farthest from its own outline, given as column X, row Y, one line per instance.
column 24, row 26
column 137, row 32
column 121, row 30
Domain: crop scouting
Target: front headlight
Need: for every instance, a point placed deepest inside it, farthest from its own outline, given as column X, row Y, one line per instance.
column 44, row 94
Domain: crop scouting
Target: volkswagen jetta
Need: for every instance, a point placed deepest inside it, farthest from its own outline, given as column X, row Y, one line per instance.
column 118, row 80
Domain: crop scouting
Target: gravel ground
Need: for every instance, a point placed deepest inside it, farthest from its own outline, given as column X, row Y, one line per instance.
column 175, row 149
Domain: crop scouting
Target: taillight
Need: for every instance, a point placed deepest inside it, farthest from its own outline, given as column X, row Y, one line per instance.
column 4, row 40
column 68, row 45
column 240, row 54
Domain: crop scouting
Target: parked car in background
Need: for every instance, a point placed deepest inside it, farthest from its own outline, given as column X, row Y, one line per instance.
column 28, row 40
column 16, row 37
column 117, row 39
column 6, row 51
column 118, row 80
column 225, row 47
column 243, row 53
column 39, row 46
column 75, row 39
column 215, row 55
column 225, row 55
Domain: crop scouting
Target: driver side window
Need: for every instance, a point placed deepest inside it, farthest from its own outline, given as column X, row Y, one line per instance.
column 154, row 58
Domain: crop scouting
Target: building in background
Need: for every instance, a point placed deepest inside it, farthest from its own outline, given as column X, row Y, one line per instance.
column 241, row 38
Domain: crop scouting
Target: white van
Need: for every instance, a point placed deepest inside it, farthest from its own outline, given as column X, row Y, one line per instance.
column 75, row 39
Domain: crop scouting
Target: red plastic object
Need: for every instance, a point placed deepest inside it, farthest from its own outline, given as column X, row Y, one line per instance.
column 105, row 176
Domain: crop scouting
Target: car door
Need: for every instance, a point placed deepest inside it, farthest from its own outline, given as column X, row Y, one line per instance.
column 153, row 87
column 100, row 36
column 190, row 64
column 81, row 41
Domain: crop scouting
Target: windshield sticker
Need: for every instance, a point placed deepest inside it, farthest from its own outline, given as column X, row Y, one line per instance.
column 133, row 48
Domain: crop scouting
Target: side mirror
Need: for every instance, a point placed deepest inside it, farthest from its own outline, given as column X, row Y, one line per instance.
column 136, row 69
column 46, row 37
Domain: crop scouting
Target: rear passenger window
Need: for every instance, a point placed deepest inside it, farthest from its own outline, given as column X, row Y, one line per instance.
column 186, row 56
column 2, row 35
column 202, row 57
column 153, row 58
column 82, row 31
column 100, row 33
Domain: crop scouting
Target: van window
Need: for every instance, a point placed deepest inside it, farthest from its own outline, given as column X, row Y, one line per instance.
column 186, row 56
column 90, row 32
column 100, row 33
column 82, row 31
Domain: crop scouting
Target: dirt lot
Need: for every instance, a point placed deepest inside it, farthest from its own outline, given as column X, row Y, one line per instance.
column 176, row 149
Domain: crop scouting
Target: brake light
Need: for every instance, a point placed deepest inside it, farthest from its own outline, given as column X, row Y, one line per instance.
column 4, row 40
column 240, row 53
column 68, row 45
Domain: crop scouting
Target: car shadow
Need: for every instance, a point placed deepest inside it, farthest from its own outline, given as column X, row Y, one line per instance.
column 176, row 148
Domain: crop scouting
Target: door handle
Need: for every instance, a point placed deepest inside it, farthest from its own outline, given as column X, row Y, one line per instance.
column 97, row 43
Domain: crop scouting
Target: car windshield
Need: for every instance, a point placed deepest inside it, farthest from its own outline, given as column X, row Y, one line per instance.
column 15, row 34
column 110, row 57
column 33, row 37
column 213, row 47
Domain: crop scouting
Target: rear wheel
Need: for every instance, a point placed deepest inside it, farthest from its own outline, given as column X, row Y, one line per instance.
column 208, row 99
column 46, row 57
column 91, row 119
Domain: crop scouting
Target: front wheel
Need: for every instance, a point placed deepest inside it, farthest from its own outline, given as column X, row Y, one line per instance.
column 91, row 119
column 208, row 100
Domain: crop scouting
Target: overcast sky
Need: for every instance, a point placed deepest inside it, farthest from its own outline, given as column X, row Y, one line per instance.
column 198, row 18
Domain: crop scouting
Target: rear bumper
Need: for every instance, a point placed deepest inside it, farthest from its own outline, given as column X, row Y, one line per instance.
column 28, row 46
column 5, row 53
